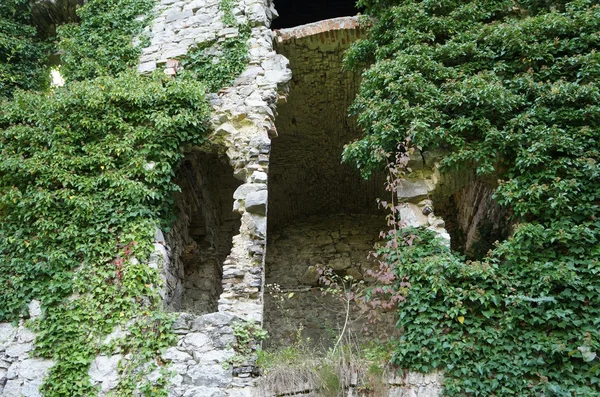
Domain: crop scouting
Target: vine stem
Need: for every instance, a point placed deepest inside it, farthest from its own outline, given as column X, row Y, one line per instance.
column 345, row 326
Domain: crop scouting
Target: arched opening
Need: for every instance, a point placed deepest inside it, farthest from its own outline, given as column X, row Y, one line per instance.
column 321, row 212
column 201, row 238
column 294, row 13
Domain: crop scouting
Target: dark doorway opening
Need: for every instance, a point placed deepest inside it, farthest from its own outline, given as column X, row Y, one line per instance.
column 201, row 238
column 474, row 220
column 294, row 13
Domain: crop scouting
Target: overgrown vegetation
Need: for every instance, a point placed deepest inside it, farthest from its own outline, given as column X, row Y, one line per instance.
column 511, row 88
column 300, row 367
column 248, row 337
column 102, row 43
column 86, row 175
column 85, row 179
column 218, row 63
column 219, row 71
column 21, row 55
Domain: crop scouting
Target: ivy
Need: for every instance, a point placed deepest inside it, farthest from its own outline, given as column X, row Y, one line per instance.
column 248, row 337
column 513, row 88
column 86, row 175
column 219, row 71
column 101, row 44
column 21, row 55
column 226, row 7
column 84, row 179
column 218, row 63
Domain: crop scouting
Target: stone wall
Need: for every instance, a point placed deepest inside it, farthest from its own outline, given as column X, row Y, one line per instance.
column 20, row 374
column 340, row 242
column 306, row 175
column 233, row 246
column 242, row 123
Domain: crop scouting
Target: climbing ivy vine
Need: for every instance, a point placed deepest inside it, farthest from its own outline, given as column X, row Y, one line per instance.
column 86, row 175
column 21, row 55
column 511, row 88
column 102, row 43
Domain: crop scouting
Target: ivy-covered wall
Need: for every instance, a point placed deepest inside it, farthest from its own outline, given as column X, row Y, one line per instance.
column 88, row 176
column 511, row 89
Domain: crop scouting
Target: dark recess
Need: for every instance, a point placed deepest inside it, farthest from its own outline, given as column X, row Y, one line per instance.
column 294, row 13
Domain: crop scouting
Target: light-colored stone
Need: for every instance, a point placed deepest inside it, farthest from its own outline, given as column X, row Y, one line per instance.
column 7, row 334
column 104, row 371
column 413, row 190
column 19, row 350
column 246, row 188
column 32, row 388
column 174, row 354
column 35, row 309
column 12, row 388
column 210, row 376
column 34, row 368
column 256, row 202
column 198, row 341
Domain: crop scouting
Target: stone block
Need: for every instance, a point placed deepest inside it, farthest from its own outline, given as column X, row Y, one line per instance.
column 213, row 356
column 209, row 375
column 159, row 237
column 196, row 341
column 258, row 226
column 34, row 368
column 256, row 202
column 174, row 354
column 219, row 320
column 13, row 371
column 203, row 392
column 12, row 388
column 35, row 309
column 339, row 264
column 412, row 216
column 311, row 276
column 259, row 177
column 104, row 370
column 146, row 67
column 20, row 350
column 179, row 15
column 7, row 334
column 31, row 388
column 412, row 190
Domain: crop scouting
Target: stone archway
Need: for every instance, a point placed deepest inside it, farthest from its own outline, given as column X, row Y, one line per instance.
column 321, row 211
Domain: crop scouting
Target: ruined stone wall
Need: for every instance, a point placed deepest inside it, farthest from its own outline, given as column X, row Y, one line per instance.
column 339, row 242
column 242, row 121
